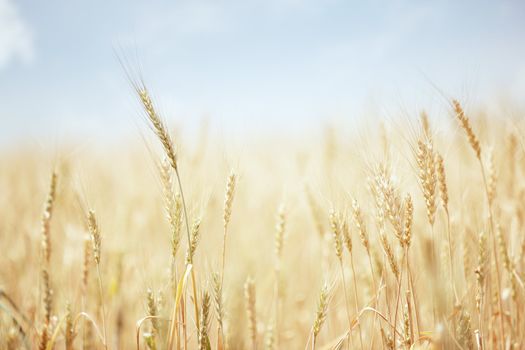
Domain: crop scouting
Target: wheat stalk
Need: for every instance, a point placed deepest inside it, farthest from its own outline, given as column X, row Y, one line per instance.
column 46, row 219
column 320, row 316
column 474, row 143
column 219, row 308
column 161, row 131
column 426, row 161
column 97, row 242
column 280, row 230
column 69, row 332
column 48, row 309
column 228, row 203
column 249, row 297
column 173, row 206
column 153, row 313
column 204, row 340
column 194, row 240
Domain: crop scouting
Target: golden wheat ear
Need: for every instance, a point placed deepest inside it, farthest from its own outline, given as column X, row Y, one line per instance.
column 97, row 243
column 46, row 219
column 464, row 121
column 321, row 313
column 249, row 296
column 157, row 124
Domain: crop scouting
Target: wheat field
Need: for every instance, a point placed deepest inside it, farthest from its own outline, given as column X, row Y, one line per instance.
column 407, row 233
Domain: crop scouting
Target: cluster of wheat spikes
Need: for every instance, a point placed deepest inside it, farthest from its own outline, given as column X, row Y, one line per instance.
column 415, row 242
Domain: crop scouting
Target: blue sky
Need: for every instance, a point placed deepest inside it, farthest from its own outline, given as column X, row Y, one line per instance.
column 248, row 65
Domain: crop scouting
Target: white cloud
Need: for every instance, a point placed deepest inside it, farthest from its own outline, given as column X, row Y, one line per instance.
column 16, row 39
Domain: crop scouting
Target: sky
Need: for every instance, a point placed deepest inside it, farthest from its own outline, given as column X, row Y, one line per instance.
column 248, row 65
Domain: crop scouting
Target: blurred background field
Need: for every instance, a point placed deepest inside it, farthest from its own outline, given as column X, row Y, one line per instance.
column 321, row 155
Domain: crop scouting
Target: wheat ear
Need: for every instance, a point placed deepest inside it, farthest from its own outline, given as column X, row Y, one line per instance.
column 249, row 296
column 161, row 131
column 474, row 143
column 228, row 203
column 97, row 242
column 320, row 316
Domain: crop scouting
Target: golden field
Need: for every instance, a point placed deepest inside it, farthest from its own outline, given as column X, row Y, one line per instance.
column 406, row 233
